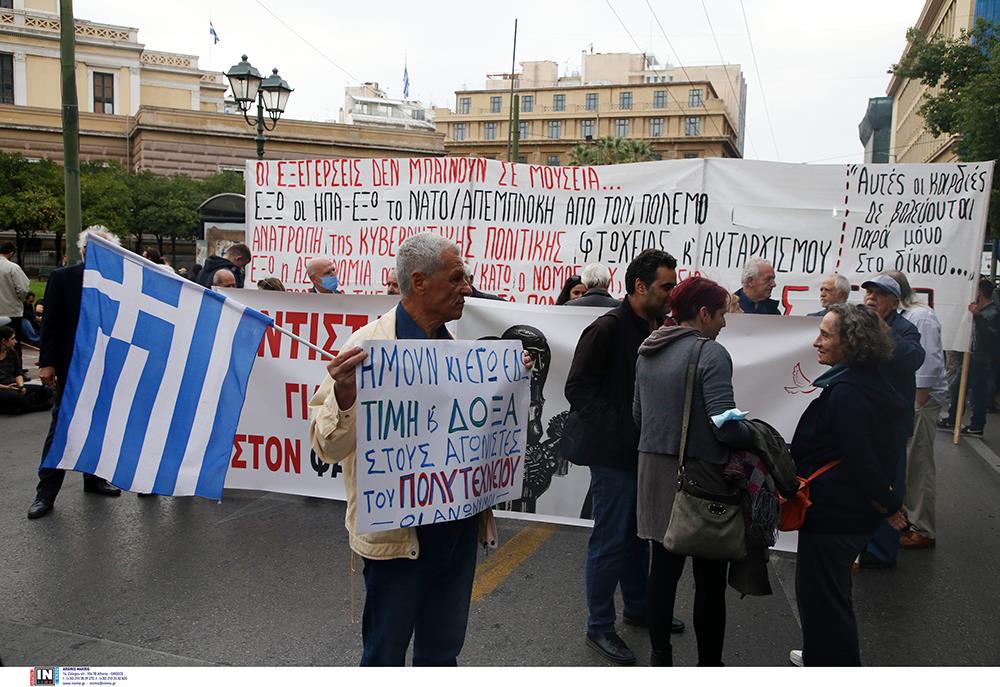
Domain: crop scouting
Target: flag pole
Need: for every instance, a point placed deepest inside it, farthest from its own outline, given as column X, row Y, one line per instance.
column 963, row 386
column 304, row 342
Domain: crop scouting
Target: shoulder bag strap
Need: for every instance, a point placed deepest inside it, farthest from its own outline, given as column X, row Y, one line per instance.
column 692, row 370
column 831, row 464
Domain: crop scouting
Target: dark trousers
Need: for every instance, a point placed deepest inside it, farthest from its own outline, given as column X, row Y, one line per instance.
column 615, row 554
column 33, row 399
column 709, row 602
column 15, row 324
column 981, row 390
column 50, row 479
column 884, row 545
column 426, row 598
column 823, row 594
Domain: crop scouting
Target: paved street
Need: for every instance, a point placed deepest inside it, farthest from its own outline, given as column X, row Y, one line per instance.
column 263, row 579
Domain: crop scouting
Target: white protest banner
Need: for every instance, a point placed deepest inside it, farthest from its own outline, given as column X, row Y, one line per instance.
column 441, row 430
column 271, row 450
column 523, row 229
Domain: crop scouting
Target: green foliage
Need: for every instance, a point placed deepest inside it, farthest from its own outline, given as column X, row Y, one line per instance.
column 965, row 75
column 105, row 196
column 30, row 196
column 611, row 150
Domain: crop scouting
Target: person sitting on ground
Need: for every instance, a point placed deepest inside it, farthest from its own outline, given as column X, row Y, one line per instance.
column 597, row 278
column 846, row 422
column 571, row 290
column 223, row 279
column 15, row 397
column 322, row 272
column 758, row 283
column 29, row 332
column 833, row 289
column 270, row 284
column 236, row 258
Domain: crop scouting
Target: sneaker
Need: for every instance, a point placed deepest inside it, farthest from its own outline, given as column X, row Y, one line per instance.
column 795, row 656
column 968, row 431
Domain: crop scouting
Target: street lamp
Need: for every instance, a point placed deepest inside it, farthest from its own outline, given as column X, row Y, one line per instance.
column 271, row 94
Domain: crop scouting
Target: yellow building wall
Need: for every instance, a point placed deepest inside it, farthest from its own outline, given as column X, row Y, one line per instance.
column 43, row 81
column 51, row 6
column 156, row 96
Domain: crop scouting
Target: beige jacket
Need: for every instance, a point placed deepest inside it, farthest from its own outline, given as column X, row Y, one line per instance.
column 332, row 433
column 13, row 289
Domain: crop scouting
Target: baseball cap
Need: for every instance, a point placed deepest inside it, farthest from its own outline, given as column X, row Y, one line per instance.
column 884, row 282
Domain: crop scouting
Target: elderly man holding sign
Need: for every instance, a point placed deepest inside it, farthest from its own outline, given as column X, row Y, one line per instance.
column 418, row 579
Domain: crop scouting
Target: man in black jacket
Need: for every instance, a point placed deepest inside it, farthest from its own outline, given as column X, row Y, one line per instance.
column 597, row 278
column 237, row 257
column 600, row 388
column 63, row 294
column 882, row 294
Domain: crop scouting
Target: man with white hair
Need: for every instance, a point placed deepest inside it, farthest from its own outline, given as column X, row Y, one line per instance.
column 63, row 294
column 597, row 278
column 833, row 289
column 392, row 282
column 758, row 283
column 418, row 580
column 322, row 272
column 224, row 279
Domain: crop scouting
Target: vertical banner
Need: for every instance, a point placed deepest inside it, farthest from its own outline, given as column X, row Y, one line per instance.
column 441, row 430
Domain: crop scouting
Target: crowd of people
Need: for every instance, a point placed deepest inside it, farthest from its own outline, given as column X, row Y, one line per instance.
column 652, row 390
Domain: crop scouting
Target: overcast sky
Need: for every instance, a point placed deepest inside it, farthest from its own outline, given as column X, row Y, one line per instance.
column 818, row 61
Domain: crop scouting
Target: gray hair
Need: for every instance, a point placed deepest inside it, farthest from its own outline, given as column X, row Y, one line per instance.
column 840, row 283
column 596, row 276
column 217, row 276
column 861, row 333
column 96, row 230
column 421, row 253
column 313, row 266
column 906, row 299
column 751, row 270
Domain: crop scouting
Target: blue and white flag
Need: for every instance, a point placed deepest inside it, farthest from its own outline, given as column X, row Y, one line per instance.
column 212, row 32
column 406, row 82
column 157, row 379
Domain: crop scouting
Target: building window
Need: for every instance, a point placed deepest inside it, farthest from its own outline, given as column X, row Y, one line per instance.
column 7, row 4
column 464, row 105
column 592, row 102
column 659, row 98
column 527, row 103
column 522, row 130
column 552, row 160
column 6, row 79
column 691, row 156
column 621, row 128
column 559, row 103
column 587, row 128
column 419, row 115
column 495, row 102
column 692, row 127
column 459, row 132
column 104, row 93
column 522, row 159
column 656, row 126
column 625, row 100
column 555, row 129
column 694, row 97
column 490, row 131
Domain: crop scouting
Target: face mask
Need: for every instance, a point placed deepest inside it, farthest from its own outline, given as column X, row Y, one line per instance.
column 330, row 283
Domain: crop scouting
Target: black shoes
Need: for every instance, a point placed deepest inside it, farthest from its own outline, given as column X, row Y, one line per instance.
column 661, row 659
column 39, row 509
column 103, row 488
column 676, row 625
column 970, row 432
column 611, row 647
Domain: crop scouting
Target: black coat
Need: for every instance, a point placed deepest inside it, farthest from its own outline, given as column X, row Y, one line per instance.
column 61, row 314
column 854, row 419
column 601, row 386
column 595, row 298
column 212, row 265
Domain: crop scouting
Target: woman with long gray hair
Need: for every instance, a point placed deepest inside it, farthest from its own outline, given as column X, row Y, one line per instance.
column 846, row 432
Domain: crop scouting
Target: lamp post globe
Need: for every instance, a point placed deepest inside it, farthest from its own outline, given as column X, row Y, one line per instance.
column 270, row 95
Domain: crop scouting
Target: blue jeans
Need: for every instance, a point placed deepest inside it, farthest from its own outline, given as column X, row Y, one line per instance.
column 981, row 389
column 426, row 598
column 615, row 554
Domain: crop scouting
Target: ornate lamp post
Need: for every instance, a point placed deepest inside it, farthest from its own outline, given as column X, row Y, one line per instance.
column 270, row 94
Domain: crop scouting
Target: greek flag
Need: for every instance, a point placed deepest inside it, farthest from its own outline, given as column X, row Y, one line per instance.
column 406, row 82
column 157, row 379
column 212, row 33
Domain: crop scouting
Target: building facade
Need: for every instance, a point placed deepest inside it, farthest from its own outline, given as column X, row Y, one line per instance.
column 368, row 105
column 694, row 112
column 911, row 142
column 151, row 110
column 875, row 130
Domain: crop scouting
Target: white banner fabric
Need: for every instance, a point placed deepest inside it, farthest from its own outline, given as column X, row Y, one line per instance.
column 523, row 229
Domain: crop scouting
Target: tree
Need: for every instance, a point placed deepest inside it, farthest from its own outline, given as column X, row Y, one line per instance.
column 611, row 150
column 965, row 73
column 106, row 197
column 222, row 182
column 166, row 207
column 31, row 197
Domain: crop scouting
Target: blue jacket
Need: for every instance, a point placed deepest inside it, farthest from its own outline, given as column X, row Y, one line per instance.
column 901, row 371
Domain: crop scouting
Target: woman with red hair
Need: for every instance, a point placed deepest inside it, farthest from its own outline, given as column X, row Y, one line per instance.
column 698, row 309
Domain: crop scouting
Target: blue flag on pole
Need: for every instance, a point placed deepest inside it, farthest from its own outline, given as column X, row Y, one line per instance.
column 406, row 82
column 157, row 379
column 212, row 32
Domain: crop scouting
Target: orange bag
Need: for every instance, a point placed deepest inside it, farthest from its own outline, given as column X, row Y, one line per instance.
column 793, row 510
